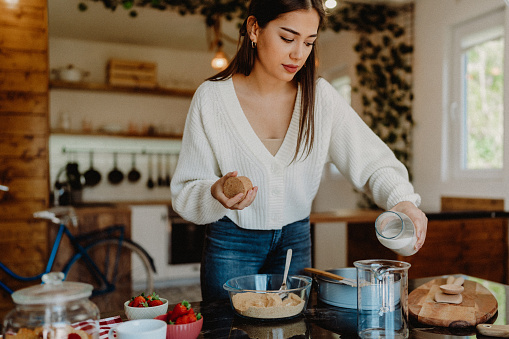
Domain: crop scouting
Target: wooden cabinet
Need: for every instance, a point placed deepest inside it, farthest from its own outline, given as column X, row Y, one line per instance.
column 92, row 219
column 473, row 246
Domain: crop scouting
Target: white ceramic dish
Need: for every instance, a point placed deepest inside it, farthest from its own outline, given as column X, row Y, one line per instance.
column 133, row 313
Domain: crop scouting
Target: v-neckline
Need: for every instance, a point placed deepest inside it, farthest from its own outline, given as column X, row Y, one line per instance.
column 247, row 133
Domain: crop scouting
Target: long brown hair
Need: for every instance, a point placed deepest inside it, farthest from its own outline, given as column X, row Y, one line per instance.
column 265, row 11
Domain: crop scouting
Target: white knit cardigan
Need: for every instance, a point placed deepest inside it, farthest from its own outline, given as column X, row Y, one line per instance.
column 219, row 139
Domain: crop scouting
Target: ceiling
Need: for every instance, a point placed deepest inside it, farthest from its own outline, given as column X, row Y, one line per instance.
column 151, row 27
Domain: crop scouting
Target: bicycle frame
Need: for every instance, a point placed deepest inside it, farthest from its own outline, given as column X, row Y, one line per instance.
column 80, row 252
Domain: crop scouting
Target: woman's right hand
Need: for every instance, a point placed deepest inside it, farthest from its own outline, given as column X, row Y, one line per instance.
column 238, row 202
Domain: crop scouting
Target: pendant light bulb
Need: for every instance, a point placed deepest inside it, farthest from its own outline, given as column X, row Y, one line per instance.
column 220, row 61
column 330, row 4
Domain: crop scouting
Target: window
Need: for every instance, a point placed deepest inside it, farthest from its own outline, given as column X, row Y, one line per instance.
column 342, row 85
column 477, row 107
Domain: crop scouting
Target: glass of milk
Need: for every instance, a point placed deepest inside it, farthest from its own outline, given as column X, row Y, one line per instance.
column 396, row 231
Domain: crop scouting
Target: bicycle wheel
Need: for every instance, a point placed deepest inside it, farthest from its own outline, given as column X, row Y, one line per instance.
column 128, row 270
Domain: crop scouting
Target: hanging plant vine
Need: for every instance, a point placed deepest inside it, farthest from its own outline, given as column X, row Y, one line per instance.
column 384, row 73
column 384, row 68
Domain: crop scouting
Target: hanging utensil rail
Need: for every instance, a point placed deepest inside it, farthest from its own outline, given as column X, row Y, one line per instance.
column 118, row 151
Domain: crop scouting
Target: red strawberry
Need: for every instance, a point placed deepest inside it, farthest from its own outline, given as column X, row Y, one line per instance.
column 73, row 336
column 180, row 309
column 138, row 301
column 155, row 302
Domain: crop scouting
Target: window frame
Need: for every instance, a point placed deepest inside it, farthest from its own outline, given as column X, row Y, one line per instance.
column 494, row 21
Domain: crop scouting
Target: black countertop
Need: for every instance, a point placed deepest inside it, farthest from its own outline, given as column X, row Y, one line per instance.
column 320, row 320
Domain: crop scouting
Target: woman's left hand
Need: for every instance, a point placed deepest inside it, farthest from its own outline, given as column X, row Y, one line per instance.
column 418, row 218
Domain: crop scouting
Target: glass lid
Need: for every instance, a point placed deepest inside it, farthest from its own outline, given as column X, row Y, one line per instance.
column 53, row 290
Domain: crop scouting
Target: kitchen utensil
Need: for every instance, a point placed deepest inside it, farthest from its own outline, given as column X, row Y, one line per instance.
column 70, row 73
column 450, row 292
column 382, row 292
column 150, row 182
column 92, row 176
column 283, row 288
column 167, row 178
column 396, row 231
column 489, row 330
column 334, row 292
column 266, row 287
column 347, row 281
column 478, row 305
column 115, row 176
column 160, row 179
column 134, row 175
column 452, row 288
column 73, row 175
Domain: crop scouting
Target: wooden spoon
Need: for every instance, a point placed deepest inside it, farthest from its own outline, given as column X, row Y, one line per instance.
column 347, row 281
column 453, row 286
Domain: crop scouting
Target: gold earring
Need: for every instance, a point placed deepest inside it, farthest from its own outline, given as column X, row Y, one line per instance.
column 253, row 44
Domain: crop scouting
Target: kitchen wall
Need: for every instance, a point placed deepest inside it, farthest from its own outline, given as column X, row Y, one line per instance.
column 112, row 111
column 434, row 20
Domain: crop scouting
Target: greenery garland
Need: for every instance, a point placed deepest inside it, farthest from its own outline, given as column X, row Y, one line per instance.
column 384, row 69
column 384, row 73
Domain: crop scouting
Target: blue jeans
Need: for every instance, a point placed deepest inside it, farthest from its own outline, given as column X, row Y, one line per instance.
column 231, row 251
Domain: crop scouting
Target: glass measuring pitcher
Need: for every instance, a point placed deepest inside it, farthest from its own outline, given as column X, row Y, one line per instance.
column 396, row 231
column 382, row 298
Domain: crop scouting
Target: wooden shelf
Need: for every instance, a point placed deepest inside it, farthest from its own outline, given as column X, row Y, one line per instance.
column 101, row 87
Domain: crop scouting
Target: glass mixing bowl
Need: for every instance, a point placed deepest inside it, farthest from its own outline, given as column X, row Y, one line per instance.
column 258, row 296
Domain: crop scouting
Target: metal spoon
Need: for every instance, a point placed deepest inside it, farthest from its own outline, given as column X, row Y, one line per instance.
column 283, row 287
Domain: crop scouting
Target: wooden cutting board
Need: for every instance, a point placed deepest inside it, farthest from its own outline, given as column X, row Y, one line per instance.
column 477, row 307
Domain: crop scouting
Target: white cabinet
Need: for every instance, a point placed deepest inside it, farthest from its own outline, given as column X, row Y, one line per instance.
column 151, row 228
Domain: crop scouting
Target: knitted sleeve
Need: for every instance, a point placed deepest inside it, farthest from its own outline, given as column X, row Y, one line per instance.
column 197, row 168
column 362, row 157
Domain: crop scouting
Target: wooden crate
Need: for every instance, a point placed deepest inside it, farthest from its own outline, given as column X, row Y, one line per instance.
column 129, row 73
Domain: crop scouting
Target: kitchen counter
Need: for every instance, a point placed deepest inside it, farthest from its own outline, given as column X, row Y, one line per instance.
column 369, row 216
column 322, row 321
column 472, row 242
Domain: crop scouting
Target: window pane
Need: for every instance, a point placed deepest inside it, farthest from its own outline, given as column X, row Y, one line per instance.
column 483, row 105
column 342, row 85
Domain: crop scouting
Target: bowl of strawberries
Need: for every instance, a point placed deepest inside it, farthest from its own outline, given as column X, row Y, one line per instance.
column 145, row 306
column 183, row 322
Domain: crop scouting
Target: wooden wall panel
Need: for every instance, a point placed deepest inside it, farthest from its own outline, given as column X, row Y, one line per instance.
column 24, row 163
column 24, row 81
column 23, row 102
column 28, row 17
column 16, row 167
column 23, row 60
column 20, row 211
column 26, row 146
column 24, row 124
column 13, row 38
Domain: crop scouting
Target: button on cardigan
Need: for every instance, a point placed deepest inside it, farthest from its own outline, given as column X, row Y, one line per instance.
column 219, row 139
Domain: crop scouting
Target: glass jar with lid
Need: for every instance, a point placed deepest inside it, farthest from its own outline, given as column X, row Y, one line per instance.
column 48, row 311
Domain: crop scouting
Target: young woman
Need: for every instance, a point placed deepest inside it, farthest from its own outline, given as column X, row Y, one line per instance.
column 268, row 118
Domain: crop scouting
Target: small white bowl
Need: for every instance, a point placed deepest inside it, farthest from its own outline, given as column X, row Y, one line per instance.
column 133, row 313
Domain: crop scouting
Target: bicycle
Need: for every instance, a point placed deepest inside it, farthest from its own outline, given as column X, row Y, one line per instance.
column 101, row 258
